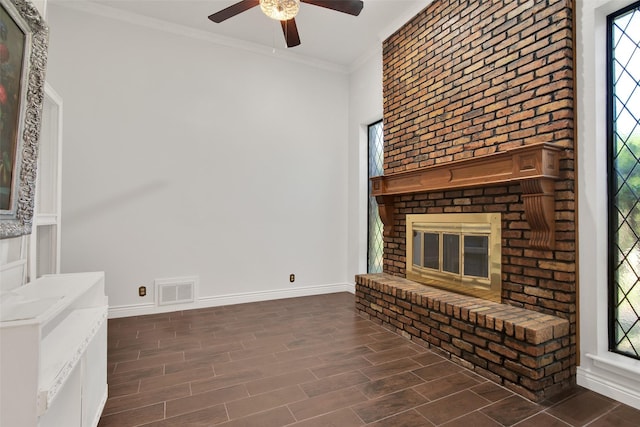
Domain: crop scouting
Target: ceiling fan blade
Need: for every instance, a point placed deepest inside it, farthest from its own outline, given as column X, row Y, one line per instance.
column 233, row 10
column 290, row 30
column 352, row 7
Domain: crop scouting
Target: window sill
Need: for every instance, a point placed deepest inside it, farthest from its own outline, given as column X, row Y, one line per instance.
column 617, row 364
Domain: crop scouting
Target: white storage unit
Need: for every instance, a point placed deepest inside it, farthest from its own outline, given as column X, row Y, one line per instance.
column 44, row 256
column 53, row 352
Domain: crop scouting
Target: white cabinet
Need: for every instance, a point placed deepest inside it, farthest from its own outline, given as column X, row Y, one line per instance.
column 53, row 352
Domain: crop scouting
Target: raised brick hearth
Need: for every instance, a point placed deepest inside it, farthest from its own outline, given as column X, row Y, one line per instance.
column 524, row 350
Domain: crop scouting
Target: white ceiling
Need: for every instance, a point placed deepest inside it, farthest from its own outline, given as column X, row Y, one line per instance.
column 329, row 37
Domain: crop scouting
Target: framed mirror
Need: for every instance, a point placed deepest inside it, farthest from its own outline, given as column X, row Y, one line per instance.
column 23, row 58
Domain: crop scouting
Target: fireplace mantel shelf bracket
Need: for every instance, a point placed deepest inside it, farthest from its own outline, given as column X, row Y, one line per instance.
column 535, row 167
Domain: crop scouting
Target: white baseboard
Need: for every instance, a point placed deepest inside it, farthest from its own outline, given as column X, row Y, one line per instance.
column 601, row 383
column 230, row 299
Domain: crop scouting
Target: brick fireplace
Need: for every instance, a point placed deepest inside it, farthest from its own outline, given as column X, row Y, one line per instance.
column 467, row 82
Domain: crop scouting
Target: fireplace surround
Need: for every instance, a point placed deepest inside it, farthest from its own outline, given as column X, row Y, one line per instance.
column 479, row 118
column 526, row 348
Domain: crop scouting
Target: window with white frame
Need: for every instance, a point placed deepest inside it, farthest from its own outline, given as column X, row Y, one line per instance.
column 623, row 121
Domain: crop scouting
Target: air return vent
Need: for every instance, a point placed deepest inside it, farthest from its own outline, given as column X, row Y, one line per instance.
column 175, row 290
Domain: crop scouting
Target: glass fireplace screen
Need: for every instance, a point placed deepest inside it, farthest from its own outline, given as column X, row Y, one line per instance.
column 460, row 252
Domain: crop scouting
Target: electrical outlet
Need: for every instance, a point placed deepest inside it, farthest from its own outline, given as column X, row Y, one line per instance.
column 142, row 291
column 292, row 277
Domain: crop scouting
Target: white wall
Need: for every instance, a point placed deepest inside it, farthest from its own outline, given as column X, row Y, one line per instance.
column 182, row 157
column 41, row 5
column 365, row 108
column 605, row 372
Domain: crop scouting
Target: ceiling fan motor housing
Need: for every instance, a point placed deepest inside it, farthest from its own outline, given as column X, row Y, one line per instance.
column 280, row 10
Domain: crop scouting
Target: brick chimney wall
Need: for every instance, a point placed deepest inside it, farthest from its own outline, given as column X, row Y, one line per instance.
column 470, row 78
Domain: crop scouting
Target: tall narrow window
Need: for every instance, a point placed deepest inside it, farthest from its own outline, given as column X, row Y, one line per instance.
column 376, row 243
column 624, row 180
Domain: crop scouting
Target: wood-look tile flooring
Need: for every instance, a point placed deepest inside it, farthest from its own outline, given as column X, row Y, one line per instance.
column 309, row 361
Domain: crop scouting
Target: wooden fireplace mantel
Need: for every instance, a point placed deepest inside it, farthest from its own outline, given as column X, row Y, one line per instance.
column 535, row 167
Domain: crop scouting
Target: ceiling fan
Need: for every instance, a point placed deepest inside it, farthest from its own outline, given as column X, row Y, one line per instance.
column 285, row 12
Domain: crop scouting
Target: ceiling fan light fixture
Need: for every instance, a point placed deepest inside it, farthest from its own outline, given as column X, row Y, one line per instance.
column 280, row 10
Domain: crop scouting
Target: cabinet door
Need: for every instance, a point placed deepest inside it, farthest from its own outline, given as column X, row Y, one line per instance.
column 66, row 408
column 94, row 379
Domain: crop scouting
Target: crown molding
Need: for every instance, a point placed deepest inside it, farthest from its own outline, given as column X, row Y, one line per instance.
column 403, row 19
column 364, row 58
column 387, row 32
column 181, row 30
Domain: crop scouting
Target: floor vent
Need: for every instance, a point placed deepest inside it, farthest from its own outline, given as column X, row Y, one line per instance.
column 175, row 290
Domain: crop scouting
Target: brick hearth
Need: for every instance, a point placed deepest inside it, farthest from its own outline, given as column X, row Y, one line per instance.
column 524, row 350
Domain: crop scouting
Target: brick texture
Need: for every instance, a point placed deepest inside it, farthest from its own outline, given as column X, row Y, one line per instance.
column 470, row 78
column 524, row 350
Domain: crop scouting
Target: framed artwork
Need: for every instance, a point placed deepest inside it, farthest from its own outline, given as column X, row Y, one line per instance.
column 23, row 57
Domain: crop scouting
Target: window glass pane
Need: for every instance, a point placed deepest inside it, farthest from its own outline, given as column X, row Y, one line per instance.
column 624, row 184
column 451, row 253
column 417, row 248
column 432, row 250
column 376, row 242
column 476, row 256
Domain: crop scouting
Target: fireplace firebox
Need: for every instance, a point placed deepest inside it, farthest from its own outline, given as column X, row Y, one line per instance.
column 460, row 252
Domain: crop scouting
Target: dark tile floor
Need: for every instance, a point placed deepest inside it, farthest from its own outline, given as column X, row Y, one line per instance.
column 310, row 361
